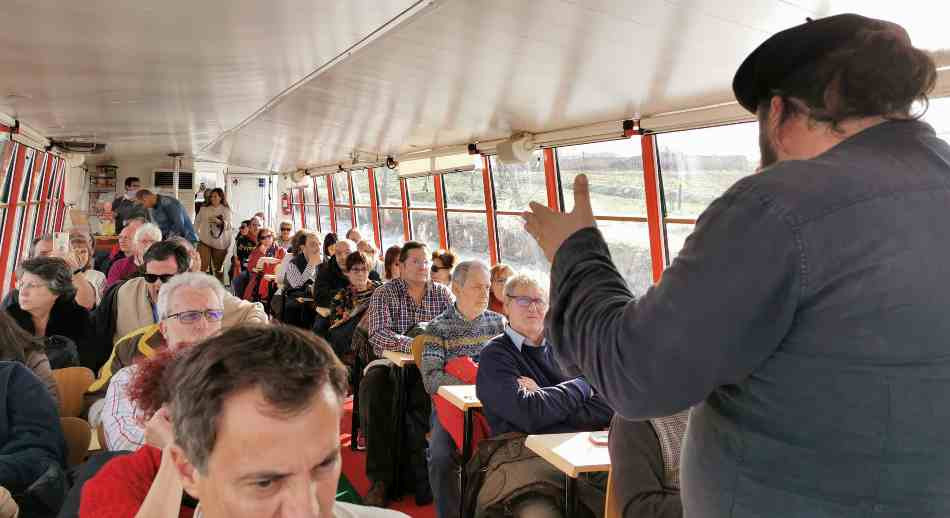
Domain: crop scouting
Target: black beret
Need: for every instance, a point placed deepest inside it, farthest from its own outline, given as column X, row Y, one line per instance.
column 788, row 51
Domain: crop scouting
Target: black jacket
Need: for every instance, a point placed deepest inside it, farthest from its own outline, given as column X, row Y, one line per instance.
column 330, row 280
column 68, row 319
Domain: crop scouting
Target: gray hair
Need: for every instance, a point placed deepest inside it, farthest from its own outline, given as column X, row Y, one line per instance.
column 349, row 242
column 55, row 271
column 148, row 229
column 522, row 280
column 196, row 280
column 460, row 273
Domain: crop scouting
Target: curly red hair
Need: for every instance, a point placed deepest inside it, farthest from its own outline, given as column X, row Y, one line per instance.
column 150, row 389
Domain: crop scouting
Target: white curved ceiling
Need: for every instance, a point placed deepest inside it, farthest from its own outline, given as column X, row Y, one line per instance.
column 256, row 84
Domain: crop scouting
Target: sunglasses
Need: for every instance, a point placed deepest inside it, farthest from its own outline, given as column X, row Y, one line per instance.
column 285, row 230
column 152, row 277
column 437, row 268
column 267, row 236
column 190, row 317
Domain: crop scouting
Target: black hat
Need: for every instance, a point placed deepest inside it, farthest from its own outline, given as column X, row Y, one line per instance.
column 787, row 51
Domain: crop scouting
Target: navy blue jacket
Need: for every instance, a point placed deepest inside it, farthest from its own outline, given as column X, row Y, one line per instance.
column 562, row 404
column 170, row 216
column 806, row 320
column 31, row 438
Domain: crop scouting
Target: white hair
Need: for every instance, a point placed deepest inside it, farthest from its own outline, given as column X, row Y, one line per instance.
column 196, row 280
column 522, row 280
column 460, row 273
column 349, row 242
column 148, row 229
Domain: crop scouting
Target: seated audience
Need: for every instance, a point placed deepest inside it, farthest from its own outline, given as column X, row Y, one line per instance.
column 273, row 387
column 16, row 345
column 500, row 273
column 329, row 241
column 258, row 288
column 244, row 245
column 331, row 279
column 146, row 235
column 395, row 308
column 190, row 308
column 133, row 306
column 391, row 262
column 124, row 248
column 32, row 446
column 459, row 332
column 83, row 246
column 443, row 261
column 284, row 237
column 350, row 303
column 44, row 304
column 369, row 250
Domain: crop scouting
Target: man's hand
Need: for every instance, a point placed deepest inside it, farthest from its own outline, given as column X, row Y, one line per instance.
column 158, row 429
column 550, row 229
column 527, row 384
column 8, row 507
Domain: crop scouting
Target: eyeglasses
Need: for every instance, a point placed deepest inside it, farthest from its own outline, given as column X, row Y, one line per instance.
column 415, row 262
column 285, row 229
column 152, row 277
column 528, row 301
column 437, row 268
column 190, row 317
column 267, row 236
column 499, row 281
column 33, row 285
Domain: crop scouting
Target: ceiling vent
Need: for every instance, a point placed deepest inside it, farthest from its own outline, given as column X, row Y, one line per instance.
column 79, row 145
column 166, row 179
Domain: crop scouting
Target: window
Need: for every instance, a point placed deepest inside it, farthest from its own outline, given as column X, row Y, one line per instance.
column 341, row 189
column 390, row 224
column 364, row 222
column 360, row 187
column 387, row 187
column 425, row 228
column 676, row 234
column 519, row 250
column 698, row 166
column 310, row 211
column 614, row 172
column 519, row 184
column 343, row 221
column 938, row 116
column 421, row 192
column 468, row 236
column 464, row 190
column 629, row 244
column 325, row 227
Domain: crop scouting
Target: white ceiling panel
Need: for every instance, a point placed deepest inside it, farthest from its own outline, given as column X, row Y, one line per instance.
column 477, row 70
column 154, row 77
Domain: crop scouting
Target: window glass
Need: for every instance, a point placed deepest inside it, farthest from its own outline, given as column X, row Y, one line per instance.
column 938, row 116
column 324, row 215
column 468, row 236
column 390, row 224
column 697, row 166
column 615, row 174
column 343, row 221
column 676, row 235
column 629, row 244
column 519, row 250
column 360, row 186
column 421, row 191
column 308, row 193
column 464, row 190
column 425, row 228
column 518, row 184
column 364, row 222
column 341, row 190
column 310, row 211
column 387, row 187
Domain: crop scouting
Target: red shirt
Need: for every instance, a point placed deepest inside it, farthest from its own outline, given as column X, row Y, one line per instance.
column 120, row 487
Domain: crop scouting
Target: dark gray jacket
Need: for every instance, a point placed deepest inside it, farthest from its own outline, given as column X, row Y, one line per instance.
column 806, row 319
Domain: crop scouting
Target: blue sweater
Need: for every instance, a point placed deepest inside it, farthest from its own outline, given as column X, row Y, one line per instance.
column 30, row 435
column 562, row 404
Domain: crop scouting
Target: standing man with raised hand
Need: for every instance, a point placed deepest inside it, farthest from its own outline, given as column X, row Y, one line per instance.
column 805, row 316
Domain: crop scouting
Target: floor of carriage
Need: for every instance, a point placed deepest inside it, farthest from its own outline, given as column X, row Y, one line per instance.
column 354, row 472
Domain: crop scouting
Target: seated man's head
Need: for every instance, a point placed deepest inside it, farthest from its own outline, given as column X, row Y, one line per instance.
column 343, row 248
column 369, row 250
column 471, row 284
column 414, row 262
column 127, row 235
column 42, row 246
column 195, row 265
column 256, row 415
column 147, row 198
column 163, row 261
column 147, row 235
column 354, row 235
column 526, row 304
column 190, row 306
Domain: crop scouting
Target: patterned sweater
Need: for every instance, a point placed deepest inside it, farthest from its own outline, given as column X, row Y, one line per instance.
column 451, row 336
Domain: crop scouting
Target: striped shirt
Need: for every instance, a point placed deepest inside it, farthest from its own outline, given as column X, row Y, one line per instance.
column 449, row 336
column 121, row 418
column 392, row 313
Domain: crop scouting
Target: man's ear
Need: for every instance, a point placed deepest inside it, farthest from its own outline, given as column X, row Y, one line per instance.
column 456, row 289
column 187, row 473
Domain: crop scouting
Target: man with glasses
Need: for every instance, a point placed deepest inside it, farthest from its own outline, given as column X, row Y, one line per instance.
column 395, row 308
column 190, row 307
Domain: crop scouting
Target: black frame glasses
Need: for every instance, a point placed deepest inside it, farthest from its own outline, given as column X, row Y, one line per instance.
column 152, row 277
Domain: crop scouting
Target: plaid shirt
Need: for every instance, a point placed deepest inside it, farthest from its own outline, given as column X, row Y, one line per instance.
column 392, row 313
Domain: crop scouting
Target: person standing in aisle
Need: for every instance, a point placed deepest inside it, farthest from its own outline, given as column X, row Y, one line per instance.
column 214, row 232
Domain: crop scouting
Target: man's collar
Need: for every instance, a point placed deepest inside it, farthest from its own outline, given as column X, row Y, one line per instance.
column 519, row 339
